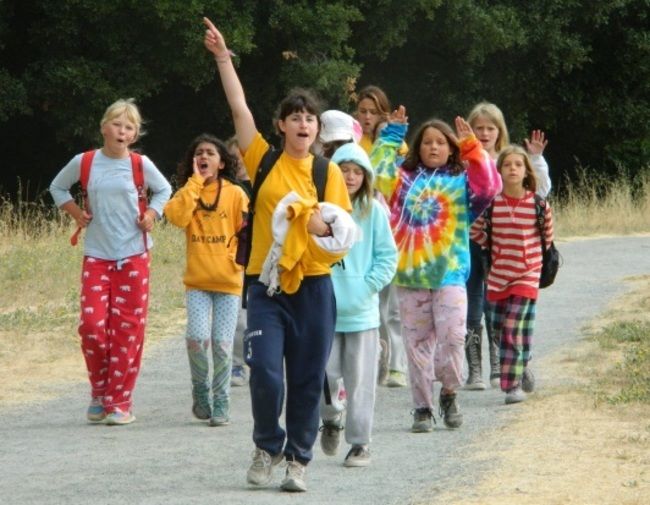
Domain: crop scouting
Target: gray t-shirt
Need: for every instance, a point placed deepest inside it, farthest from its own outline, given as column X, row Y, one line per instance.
column 113, row 233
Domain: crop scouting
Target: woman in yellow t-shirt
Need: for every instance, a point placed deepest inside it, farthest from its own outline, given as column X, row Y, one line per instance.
column 289, row 333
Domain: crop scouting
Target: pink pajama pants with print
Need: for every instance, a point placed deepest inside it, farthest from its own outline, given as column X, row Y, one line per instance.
column 433, row 329
column 114, row 301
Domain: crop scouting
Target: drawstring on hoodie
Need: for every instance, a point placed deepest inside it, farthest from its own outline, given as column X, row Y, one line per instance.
column 340, row 263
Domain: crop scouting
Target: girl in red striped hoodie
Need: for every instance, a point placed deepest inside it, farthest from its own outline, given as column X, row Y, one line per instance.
column 516, row 261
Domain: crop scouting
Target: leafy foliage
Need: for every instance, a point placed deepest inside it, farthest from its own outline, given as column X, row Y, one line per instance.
column 578, row 70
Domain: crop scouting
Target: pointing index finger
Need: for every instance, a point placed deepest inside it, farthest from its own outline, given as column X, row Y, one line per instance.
column 209, row 25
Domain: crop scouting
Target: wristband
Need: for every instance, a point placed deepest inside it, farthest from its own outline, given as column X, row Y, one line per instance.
column 225, row 58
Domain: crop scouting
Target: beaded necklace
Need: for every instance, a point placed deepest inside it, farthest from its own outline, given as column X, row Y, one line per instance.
column 213, row 207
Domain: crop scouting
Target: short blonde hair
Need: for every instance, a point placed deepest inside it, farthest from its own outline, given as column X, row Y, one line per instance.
column 530, row 179
column 124, row 106
column 494, row 115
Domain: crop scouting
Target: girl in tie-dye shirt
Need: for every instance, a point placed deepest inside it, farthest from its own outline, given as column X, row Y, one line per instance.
column 444, row 183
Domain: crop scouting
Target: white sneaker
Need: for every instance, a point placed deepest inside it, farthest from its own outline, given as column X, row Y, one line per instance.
column 294, row 479
column 396, row 379
column 219, row 421
column 330, row 435
column 515, row 395
column 474, row 383
column 358, row 456
column 259, row 473
column 119, row 417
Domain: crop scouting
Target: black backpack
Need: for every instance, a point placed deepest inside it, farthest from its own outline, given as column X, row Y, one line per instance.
column 245, row 234
column 550, row 257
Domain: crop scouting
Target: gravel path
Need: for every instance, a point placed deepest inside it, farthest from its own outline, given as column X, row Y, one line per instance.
column 50, row 455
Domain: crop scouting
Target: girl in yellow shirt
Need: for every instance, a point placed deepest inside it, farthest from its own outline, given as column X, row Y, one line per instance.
column 210, row 206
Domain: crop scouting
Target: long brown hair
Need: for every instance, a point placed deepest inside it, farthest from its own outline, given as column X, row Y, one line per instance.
column 379, row 98
column 365, row 193
column 185, row 168
column 530, row 179
column 413, row 157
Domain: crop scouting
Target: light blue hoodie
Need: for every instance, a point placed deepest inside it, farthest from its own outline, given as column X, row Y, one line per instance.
column 371, row 263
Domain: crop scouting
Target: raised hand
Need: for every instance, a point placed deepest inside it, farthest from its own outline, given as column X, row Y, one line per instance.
column 195, row 169
column 214, row 41
column 463, row 128
column 398, row 115
column 243, row 118
column 537, row 142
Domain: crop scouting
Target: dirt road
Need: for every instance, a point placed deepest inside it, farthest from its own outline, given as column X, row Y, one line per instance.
column 50, row 455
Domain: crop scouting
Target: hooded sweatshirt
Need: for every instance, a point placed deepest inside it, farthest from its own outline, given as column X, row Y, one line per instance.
column 210, row 234
column 370, row 263
column 432, row 210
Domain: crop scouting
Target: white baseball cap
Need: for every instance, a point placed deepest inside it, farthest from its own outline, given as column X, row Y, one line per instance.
column 337, row 125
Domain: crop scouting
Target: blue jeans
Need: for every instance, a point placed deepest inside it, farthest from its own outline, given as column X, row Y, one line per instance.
column 476, row 305
column 298, row 330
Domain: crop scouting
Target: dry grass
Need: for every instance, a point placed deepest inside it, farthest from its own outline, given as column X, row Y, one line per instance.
column 567, row 445
column 39, row 302
column 562, row 450
column 622, row 336
column 39, row 274
column 597, row 205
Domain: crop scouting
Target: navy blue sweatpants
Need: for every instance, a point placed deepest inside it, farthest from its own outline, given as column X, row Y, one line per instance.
column 295, row 331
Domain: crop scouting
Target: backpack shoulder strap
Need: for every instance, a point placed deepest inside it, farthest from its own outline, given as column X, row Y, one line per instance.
column 540, row 217
column 84, row 175
column 138, row 171
column 138, row 180
column 266, row 164
column 319, row 169
column 487, row 217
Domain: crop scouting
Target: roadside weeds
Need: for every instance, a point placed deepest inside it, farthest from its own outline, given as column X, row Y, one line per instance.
column 586, row 438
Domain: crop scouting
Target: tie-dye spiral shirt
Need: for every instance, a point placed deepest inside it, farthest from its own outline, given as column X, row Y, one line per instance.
column 432, row 210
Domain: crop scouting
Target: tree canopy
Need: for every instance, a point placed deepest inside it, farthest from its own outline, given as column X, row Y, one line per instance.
column 577, row 69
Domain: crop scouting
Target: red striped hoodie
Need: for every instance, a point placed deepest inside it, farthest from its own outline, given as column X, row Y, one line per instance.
column 516, row 246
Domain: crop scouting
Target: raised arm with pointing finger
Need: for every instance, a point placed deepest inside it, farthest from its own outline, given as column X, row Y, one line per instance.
column 290, row 332
column 242, row 117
